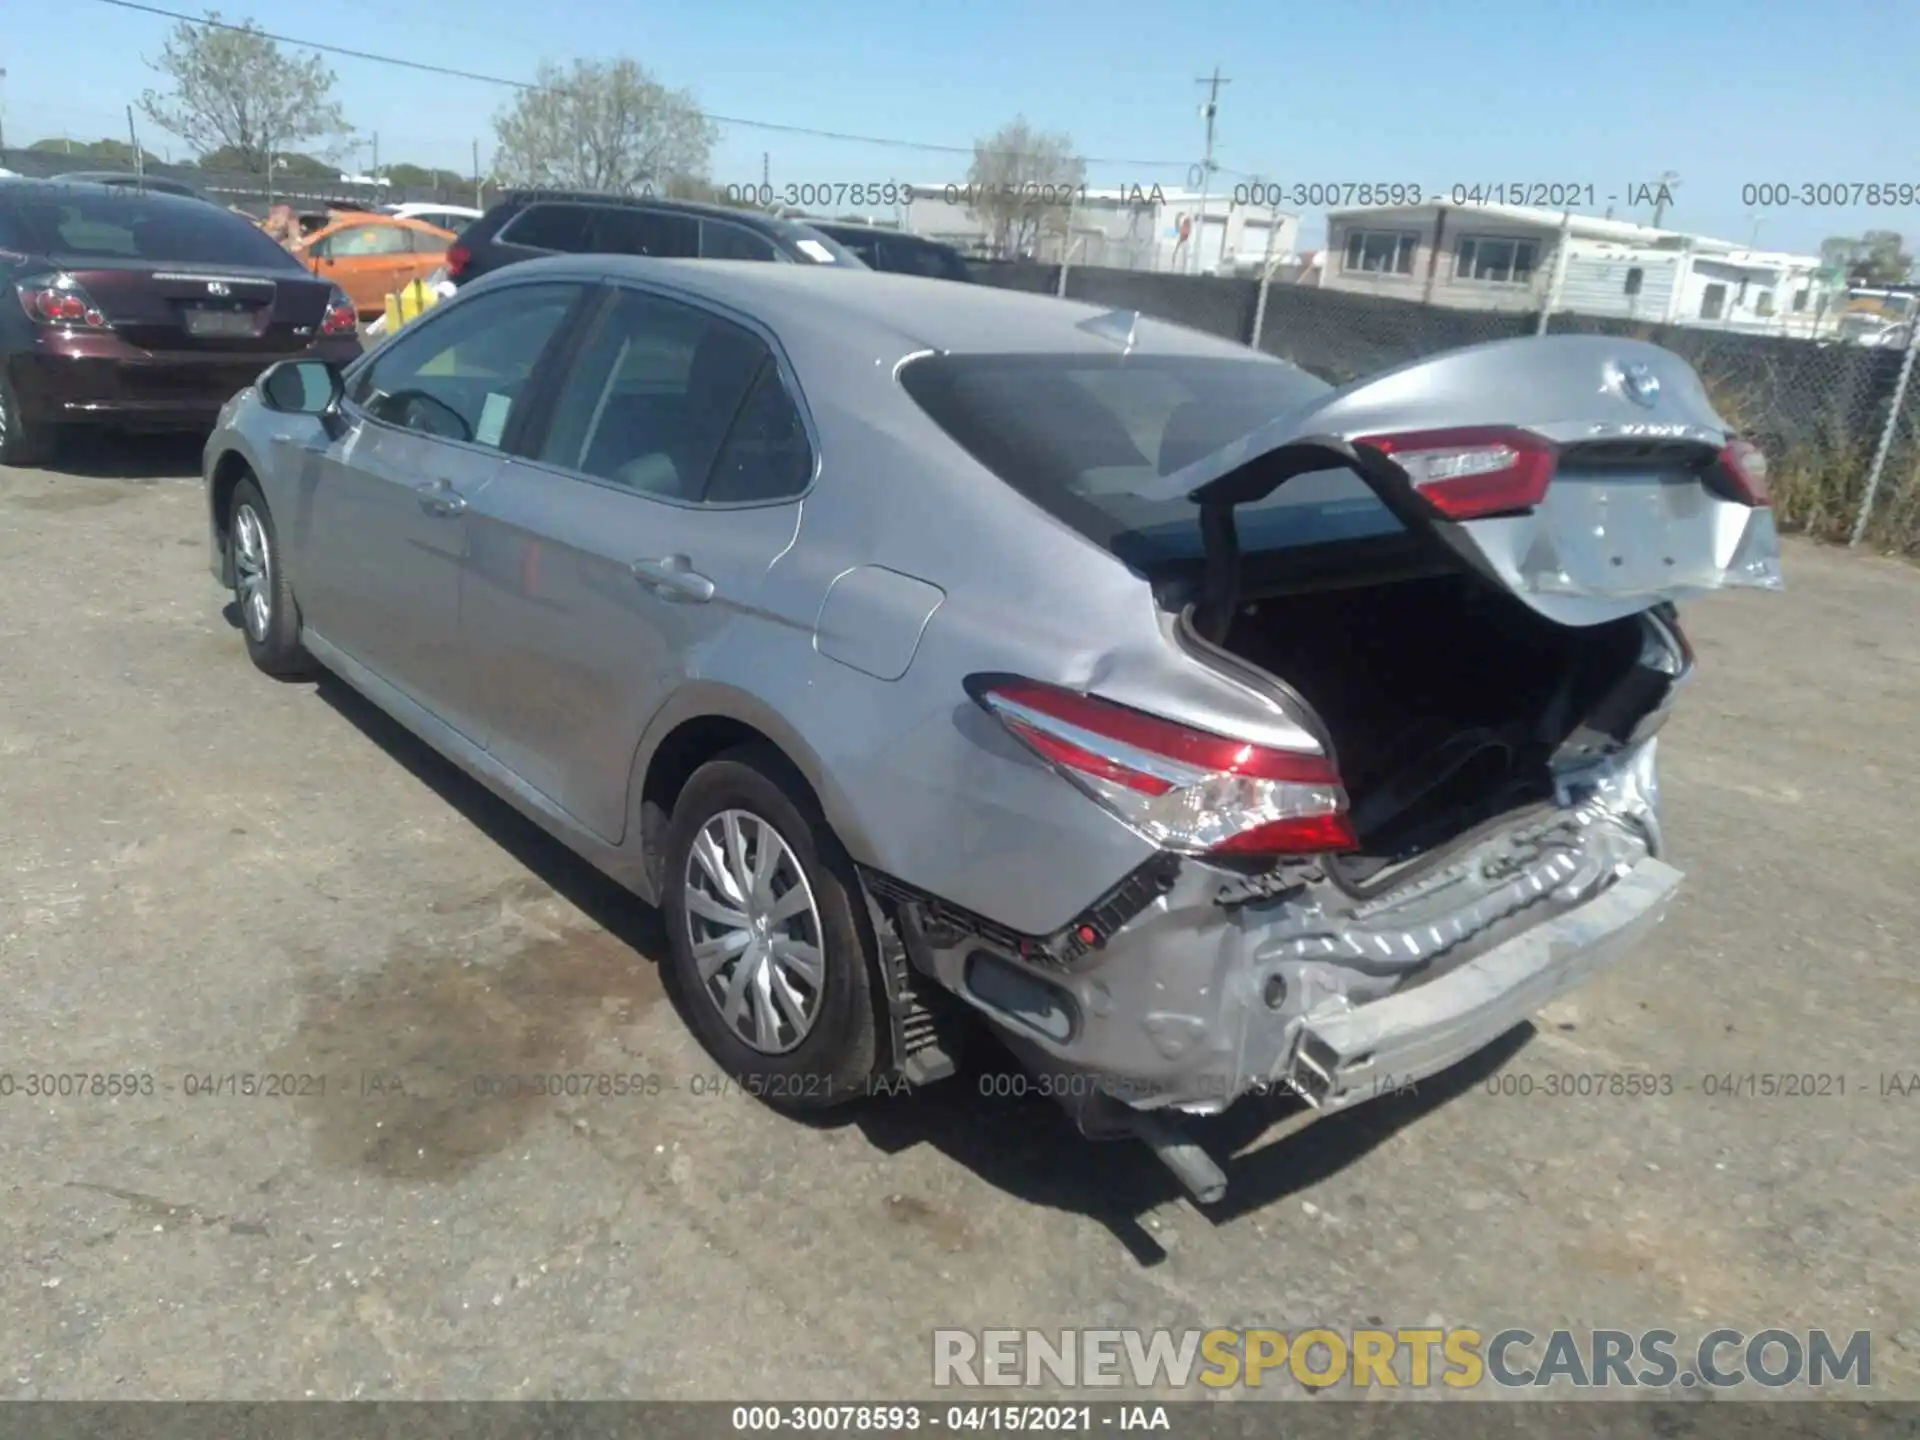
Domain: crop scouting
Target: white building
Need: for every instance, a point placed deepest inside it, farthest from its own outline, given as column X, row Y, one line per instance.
column 1513, row 257
column 1128, row 228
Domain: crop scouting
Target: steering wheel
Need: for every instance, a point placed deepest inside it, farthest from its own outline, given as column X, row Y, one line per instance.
column 417, row 410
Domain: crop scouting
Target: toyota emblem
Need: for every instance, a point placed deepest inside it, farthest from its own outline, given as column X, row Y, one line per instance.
column 1635, row 382
column 215, row 287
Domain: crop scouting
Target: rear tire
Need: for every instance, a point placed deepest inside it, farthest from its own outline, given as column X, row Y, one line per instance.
column 22, row 442
column 767, row 953
column 269, row 617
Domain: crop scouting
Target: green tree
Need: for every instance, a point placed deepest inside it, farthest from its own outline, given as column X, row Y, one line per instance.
column 1017, row 175
column 420, row 177
column 105, row 154
column 601, row 125
column 1879, row 257
column 233, row 92
column 288, row 164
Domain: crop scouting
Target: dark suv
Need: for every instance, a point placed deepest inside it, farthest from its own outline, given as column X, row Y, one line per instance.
column 895, row 250
column 532, row 223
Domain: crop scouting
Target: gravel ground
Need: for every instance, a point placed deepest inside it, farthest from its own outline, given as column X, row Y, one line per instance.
column 208, row 874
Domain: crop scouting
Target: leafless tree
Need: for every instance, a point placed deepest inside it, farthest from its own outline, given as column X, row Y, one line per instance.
column 1016, row 181
column 234, row 90
column 602, row 125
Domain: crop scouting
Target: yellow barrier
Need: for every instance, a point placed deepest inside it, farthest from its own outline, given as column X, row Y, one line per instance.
column 409, row 302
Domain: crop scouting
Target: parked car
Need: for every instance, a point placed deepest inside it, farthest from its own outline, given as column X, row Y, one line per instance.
column 882, row 248
column 155, row 183
column 531, row 224
column 894, row 637
column 371, row 256
column 144, row 311
column 452, row 218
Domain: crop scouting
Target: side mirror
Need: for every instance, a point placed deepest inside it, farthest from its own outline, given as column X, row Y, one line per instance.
column 302, row 387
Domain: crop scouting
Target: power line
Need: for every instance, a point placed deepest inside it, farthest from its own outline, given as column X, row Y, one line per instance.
column 423, row 67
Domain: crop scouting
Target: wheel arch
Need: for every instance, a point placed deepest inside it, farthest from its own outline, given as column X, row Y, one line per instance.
column 704, row 720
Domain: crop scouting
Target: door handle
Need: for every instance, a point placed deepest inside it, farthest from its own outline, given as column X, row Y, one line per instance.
column 441, row 500
column 673, row 578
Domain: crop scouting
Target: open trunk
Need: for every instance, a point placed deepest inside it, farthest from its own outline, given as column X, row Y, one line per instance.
column 1448, row 703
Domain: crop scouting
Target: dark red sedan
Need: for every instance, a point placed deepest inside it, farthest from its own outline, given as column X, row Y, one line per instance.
column 136, row 310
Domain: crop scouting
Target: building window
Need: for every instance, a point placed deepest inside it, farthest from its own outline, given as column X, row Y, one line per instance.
column 1713, row 300
column 1799, row 301
column 1763, row 304
column 1634, row 278
column 1380, row 252
column 1497, row 262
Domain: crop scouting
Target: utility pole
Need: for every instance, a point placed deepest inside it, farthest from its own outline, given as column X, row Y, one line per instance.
column 766, row 172
column 1211, row 109
column 478, row 203
column 375, row 171
column 3, row 111
column 133, row 138
column 1667, row 178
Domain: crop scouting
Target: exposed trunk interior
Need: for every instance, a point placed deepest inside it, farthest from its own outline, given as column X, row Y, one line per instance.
column 1447, row 700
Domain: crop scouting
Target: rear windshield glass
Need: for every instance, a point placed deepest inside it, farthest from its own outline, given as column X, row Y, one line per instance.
column 126, row 225
column 1078, row 434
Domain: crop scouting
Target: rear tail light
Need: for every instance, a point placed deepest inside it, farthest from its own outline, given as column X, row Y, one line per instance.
column 1470, row 473
column 60, row 300
column 458, row 258
column 1188, row 791
column 1745, row 466
column 341, row 318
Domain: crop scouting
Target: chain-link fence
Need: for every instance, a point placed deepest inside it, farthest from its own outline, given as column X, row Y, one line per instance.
column 1838, row 420
column 255, row 193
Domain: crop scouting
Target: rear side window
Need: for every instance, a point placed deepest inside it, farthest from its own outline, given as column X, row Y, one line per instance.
column 767, row 455
column 653, row 397
column 125, row 224
column 363, row 240
column 645, row 232
column 1079, row 434
column 550, row 227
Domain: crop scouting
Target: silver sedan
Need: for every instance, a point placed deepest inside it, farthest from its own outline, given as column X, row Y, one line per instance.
column 932, row 653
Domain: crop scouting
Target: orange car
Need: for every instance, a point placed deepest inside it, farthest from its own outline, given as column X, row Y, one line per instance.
column 372, row 256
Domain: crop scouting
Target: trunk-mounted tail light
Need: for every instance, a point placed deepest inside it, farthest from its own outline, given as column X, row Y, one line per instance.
column 1744, row 465
column 60, row 300
column 1471, row 473
column 458, row 258
column 341, row 318
column 1188, row 791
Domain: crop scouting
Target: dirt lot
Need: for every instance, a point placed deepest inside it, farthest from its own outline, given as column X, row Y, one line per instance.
column 209, row 874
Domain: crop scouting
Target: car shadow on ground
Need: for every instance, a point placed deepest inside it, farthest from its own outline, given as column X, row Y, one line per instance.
column 113, row 455
column 1022, row 1143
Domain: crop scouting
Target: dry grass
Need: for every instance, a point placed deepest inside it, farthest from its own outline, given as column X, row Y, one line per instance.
column 1818, row 483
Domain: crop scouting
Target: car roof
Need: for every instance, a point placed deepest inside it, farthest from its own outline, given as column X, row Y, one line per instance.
column 130, row 194
column 758, row 219
column 889, row 315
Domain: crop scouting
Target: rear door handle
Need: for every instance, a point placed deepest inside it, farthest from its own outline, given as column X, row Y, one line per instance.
column 673, row 578
column 441, row 500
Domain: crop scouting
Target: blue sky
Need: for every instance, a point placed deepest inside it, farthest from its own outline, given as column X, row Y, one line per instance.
column 1429, row 93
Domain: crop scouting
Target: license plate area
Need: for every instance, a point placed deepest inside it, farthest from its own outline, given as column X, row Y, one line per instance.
column 223, row 324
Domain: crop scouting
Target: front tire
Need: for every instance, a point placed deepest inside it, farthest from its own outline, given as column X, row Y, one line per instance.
column 22, row 442
column 769, row 959
column 269, row 618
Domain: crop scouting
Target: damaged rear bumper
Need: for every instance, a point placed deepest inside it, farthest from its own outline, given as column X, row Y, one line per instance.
column 1221, row 987
column 1344, row 1054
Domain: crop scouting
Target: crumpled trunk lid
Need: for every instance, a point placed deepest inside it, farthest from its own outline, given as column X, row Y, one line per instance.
column 1637, row 510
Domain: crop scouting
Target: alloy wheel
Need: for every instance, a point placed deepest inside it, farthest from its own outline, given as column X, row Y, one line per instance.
column 253, row 572
column 755, row 931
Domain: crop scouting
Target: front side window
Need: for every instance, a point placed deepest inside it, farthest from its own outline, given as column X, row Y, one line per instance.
column 655, row 392
column 359, row 241
column 461, row 373
column 721, row 241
